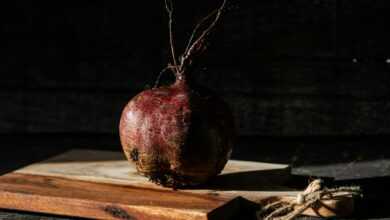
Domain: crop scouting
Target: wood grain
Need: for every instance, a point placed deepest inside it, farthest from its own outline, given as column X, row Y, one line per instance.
column 251, row 180
column 104, row 201
column 102, row 184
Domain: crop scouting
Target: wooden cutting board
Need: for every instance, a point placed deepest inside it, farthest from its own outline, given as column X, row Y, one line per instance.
column 104, row 185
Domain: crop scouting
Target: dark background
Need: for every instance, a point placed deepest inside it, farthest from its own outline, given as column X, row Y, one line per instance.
column 302, row 76
column 292, row 71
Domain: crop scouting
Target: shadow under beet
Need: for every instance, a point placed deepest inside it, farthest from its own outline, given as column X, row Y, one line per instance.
column 267, row 180
column 257, row 180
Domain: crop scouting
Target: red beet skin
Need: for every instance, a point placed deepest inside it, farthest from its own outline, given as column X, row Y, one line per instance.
column 177, row 135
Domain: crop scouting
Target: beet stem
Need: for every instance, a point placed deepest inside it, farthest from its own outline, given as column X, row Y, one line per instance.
column 169, row 8
column 159, row 76
column 192, row 46
column 198, row 44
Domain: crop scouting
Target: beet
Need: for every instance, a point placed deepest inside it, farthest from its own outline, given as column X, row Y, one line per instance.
column 181, row 134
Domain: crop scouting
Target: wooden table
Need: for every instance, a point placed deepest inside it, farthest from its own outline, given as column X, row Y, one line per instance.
column 17, row 157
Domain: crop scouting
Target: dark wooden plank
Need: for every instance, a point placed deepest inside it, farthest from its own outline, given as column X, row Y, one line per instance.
column 12, row 114
column 363, row 80
column 276, row 28
column 78, row 45
column 360, row 32
column 73, row 112
column 72, row 45
column 63, row 112
column 356, row 169
column 63, row 47
column 304, row 116
column 355, row 158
